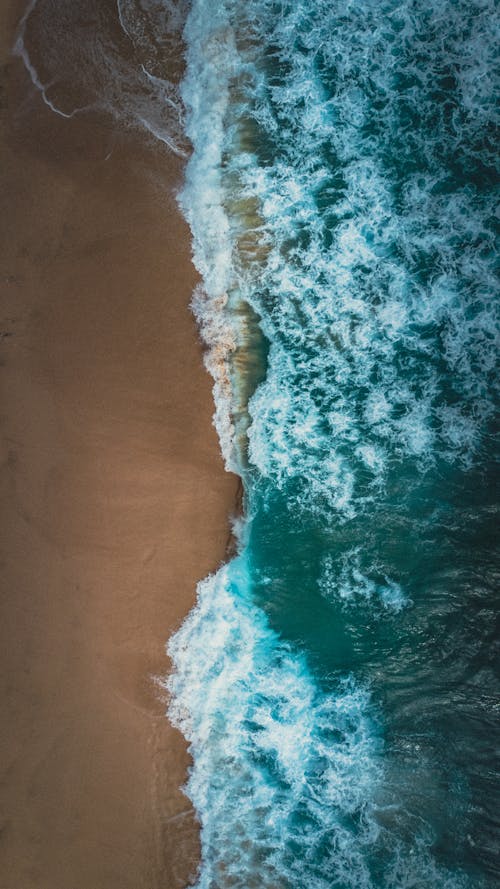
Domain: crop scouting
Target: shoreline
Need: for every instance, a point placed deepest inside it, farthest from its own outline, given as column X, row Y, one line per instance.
column 114, row 496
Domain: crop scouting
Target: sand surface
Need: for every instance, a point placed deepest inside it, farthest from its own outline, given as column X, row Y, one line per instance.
column 114, row 499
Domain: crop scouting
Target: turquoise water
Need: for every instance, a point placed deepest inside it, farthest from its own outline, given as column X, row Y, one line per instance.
column 337, row 681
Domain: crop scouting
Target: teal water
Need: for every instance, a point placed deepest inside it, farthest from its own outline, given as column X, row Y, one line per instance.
column 338, row 680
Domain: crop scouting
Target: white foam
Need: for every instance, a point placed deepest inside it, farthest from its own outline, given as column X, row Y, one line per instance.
column 19, row 49
column 349, row 583
column 339, row 297
column 278, row 765
column 286, row 777
column 211, row 59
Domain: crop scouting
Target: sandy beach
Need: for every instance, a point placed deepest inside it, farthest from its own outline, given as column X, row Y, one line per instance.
column 114, row 498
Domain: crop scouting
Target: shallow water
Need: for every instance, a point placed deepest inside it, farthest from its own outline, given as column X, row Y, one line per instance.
column 337, row 681
column 117, row 59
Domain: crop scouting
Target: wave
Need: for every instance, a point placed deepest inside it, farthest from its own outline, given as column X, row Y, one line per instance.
column 338, row 196
column 282, row 771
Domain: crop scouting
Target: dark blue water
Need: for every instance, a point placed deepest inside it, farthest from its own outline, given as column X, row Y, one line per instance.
column 338, row 680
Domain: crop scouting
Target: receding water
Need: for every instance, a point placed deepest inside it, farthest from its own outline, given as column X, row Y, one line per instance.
column 338, row 679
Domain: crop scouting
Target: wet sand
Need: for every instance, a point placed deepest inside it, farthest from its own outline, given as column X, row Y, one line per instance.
column 114, row 499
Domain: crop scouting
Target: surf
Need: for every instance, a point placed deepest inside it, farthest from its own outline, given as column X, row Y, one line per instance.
column 340, row 198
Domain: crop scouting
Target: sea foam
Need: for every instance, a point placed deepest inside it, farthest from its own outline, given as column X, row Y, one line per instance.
column 333, row 198
column 280, row 768
column 270, row 749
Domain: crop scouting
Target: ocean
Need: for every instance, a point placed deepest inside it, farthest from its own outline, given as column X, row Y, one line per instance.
column 337, row 681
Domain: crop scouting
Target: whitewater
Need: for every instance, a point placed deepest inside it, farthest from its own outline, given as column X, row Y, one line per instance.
column 336, row 680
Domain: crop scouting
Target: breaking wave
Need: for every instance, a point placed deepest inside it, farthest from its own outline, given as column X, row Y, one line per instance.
column 340, row 197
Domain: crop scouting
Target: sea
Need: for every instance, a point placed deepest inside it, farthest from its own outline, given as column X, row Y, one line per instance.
column 337, row 681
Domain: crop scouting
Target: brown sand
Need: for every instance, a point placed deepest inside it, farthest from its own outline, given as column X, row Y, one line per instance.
column 114, row 500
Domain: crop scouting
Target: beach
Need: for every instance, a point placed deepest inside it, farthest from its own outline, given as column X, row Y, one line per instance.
column 283, row 674
column 115, row 502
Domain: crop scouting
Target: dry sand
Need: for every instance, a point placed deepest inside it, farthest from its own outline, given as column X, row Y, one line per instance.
column 114, row 499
